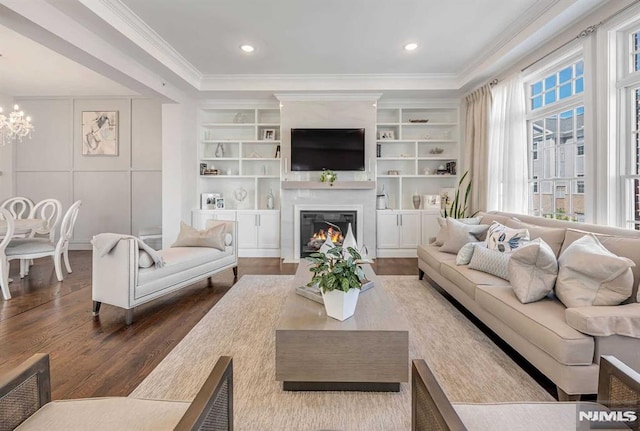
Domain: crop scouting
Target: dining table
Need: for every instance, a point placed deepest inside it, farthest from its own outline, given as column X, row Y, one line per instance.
column 22, row 226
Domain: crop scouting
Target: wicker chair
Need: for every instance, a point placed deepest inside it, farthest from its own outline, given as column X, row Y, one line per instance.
column 25, row 398
column 618, row 388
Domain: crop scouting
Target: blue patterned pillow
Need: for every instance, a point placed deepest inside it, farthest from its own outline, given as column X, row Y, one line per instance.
column 490, row 261
column 505, row 239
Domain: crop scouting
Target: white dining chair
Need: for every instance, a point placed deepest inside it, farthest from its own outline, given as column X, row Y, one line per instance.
column 18, row 206
column 34, row 248
column 4, row 261
column 50, row 212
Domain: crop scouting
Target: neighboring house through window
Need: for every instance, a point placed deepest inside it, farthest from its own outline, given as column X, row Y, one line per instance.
column 555, row 124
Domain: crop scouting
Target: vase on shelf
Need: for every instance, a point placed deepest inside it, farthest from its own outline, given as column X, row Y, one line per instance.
column 220, row 150
column 416, row 201
column 270, row 200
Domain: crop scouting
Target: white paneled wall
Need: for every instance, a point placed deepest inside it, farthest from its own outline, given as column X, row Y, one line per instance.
column 120, row 194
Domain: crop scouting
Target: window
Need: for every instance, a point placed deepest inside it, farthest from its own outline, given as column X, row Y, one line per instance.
column 555, row 123
column 559, row 85
column 630, row 134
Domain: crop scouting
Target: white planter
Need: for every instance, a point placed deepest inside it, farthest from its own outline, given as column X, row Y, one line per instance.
column 341, row 305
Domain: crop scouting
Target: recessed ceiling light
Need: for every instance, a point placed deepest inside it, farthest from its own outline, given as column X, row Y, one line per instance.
column 410, row 46
column 247, row 48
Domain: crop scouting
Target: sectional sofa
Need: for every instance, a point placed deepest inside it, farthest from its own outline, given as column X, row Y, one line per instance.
column 565, row 344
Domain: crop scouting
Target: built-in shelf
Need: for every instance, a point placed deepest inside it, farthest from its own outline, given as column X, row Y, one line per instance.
column 338, row 185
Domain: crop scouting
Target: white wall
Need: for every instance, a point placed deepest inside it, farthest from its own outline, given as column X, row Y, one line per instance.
column 328, row 114
column 6, row 155
column 120, row 194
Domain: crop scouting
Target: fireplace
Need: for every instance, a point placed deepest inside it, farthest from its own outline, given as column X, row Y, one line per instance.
column 316, row 225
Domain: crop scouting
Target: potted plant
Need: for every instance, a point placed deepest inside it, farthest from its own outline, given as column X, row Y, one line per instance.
column 338, row 276
column 328, row 176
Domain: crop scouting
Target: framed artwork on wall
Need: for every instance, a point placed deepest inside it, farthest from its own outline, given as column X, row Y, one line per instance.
column 100, row 133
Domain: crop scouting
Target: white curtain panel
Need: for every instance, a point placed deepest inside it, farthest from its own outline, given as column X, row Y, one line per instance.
column 507, row 164
column 476, row 145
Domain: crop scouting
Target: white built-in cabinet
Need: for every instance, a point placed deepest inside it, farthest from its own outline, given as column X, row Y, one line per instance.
column 239, row 147
column 398, row 232
column 429, row 226
column 258, row 230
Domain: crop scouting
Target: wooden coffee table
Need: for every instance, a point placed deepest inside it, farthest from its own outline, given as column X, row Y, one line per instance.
column 367, row 352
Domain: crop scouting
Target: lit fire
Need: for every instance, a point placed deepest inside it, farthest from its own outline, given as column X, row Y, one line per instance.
column 336, row 236
column 318, row 238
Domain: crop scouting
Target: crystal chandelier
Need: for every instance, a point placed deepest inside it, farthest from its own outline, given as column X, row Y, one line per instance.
column 14, row 127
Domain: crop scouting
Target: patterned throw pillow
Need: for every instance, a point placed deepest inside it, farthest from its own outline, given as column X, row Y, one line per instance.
column 504, row 239
column 490, row 261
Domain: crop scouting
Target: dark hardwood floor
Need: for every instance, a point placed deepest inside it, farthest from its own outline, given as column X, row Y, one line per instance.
column 104, row 357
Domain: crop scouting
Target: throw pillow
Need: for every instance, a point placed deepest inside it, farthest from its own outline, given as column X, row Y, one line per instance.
column 228, row 238
column 144, row 259
column 590, row 274
column 443, row 233
column 553, row 236
column 192, row 237
column 459, row 233
column 465, row 253
column 504, row 239
column 490, row 261
column 533, row 270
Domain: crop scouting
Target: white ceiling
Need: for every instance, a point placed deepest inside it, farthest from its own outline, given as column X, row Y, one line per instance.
column 336, row 36
column 29, row 69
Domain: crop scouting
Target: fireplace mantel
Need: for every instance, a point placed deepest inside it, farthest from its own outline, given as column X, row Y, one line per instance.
column 338, row 185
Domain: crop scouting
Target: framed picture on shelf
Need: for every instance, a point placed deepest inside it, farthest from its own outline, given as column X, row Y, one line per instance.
column 208, row 200
column 386, row 134
column 432, row 202
column 269, row 134
column 203, row 168
column 220, row 203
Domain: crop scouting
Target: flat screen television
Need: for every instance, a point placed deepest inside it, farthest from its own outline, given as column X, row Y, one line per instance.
column 335, row 149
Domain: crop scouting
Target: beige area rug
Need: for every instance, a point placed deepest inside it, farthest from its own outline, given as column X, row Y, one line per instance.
column 468, row 365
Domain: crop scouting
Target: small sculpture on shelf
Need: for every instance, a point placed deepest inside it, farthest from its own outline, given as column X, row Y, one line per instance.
column 240, row 194
column 270, row 200
column 436, row 150
column 220, row 150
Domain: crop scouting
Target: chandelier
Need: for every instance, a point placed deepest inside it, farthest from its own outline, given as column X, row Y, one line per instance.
column 14, row 127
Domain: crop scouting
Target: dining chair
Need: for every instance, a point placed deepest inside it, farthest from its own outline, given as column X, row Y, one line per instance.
column 50, row 212
column 18, row 206
column 34, row 248
column 4, row 262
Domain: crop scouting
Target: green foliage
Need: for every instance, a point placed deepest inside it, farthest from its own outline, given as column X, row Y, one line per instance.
column 332, row 271
column 328, row 176
column 459, row 206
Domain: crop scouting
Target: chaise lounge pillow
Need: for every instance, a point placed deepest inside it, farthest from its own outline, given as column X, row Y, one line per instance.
column 459, row 233
column 192, row 237
column 590, row 274
column 144, row 259
column 228, row 238
column 490, row 261
column 533, row 270
column 443, row 233
column 505, row 239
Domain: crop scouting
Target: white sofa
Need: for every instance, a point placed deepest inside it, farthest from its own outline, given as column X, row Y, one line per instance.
column 565, row 344
column 118, row 280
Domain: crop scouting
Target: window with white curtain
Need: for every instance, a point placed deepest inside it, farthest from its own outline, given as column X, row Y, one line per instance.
column 555, row 126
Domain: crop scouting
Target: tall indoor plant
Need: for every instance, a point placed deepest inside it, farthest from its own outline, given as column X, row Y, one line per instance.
column 338, row 276
column 459, row 205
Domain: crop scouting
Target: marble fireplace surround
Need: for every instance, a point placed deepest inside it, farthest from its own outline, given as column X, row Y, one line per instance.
column 294, row 201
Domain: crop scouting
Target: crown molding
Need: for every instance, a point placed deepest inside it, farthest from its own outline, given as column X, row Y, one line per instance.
column 328, row 97
column 124, row 20
column 526, row 19
column 329, row 82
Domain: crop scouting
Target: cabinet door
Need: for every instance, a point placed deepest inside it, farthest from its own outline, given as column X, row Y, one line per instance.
column 430, row 227
column 409, row 230
column 387, row 229
column 269, row 229
column 226, row 216
column 247, row 229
